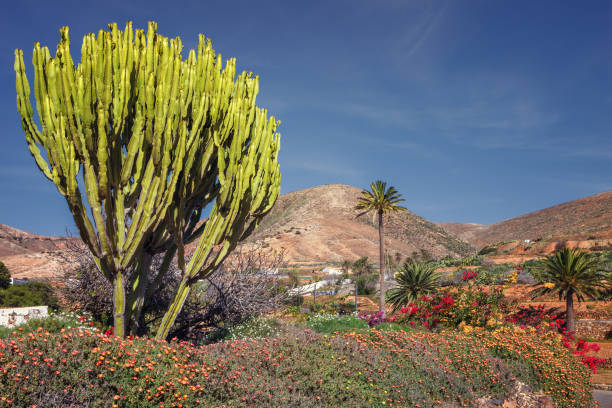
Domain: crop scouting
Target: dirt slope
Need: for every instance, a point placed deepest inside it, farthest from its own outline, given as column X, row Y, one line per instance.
column 318, row 225
column 14, row 242
column 30, row 255
column 588, row 218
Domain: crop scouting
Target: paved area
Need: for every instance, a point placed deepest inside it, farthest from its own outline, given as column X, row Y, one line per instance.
column 604, row 398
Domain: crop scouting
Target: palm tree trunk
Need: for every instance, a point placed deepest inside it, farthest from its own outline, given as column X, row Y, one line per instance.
column 569, row 308
column 381, row 239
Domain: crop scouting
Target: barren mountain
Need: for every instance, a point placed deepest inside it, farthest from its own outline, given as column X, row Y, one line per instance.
column 319, row 224
column 14, row 242
column 30, row 255
column 588, row 218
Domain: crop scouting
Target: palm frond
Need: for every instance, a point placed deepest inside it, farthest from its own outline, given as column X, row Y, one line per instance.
column 414, row 279
column 570, row 271
column 379, row 198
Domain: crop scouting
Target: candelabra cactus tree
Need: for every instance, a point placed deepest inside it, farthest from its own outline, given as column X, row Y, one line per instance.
column 155, row 139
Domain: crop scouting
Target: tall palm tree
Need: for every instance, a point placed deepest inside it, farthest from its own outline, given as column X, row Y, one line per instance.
column 414, row 279
column 569, row 272
column 380, row 200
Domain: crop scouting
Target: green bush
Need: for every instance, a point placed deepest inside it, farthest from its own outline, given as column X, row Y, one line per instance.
column 54, row 323
column 5, row 276
column 328, row 323
column 366, row 284
column 255, row 328
column 30, row 294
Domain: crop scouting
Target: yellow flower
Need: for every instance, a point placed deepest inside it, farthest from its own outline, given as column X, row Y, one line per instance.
column 549, row 285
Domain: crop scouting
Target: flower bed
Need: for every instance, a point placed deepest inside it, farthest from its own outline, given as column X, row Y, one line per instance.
column 79, row 367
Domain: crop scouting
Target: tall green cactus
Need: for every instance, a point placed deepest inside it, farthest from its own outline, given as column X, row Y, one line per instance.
column 156, row 138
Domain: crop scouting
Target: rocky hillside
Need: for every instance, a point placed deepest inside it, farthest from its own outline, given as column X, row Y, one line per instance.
column 30, row 255
column 588, row 218
column 318, row 225
column 15, row 242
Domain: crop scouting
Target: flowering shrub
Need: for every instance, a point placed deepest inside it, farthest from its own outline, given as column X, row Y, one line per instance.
column 545, row 320
column 374, row 319
column 543, row 360
column 466, row 308
column 257, row 327
column 53, row 323
column 486, row 363
column 469, row 275
column 369, row 368
column 536, row 316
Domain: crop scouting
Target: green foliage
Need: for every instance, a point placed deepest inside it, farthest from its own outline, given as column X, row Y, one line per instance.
column 413, row 280
column 379, row 199
column 363, row 266
column 470, row 260
column 570, row 271
column 366, row 284
column 5, row 276
column 490, row 275
column 341, row 306
column 53, row 323
column 255, row 328
column 30, row 294
column 465, row 308
column 328, row 323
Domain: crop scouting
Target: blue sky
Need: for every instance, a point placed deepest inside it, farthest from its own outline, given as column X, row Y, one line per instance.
column 476, row 111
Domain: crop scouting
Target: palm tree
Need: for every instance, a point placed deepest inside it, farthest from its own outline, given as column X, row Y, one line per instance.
column 414, row 279
column 345, row 266
column 569, row 272
column 380, row 200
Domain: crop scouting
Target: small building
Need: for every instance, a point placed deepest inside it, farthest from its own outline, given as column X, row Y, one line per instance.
column 17, row 281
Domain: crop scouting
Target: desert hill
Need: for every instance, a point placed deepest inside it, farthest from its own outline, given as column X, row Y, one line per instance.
column 318, row 225
column 15, row 242
column 588, row 218
column 31, row 255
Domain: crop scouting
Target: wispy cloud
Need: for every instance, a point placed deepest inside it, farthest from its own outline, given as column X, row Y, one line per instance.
column 325, row 168
column 581, row 184
column 429, row 151
column 501, row 112
column 416, row 35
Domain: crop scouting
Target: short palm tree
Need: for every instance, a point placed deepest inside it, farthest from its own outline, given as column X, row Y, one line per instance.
column 414, row 279
column 380, row 200
column 569, row 272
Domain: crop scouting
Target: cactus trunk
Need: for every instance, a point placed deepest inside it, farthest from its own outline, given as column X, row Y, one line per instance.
column 136, row 299
column 119, row 304
column 173, row 311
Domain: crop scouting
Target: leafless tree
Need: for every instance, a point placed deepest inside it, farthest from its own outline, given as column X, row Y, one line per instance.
column 246, row 284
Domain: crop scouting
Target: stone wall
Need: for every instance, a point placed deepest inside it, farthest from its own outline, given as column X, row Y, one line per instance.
column 17, row 315
column 594, row 329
